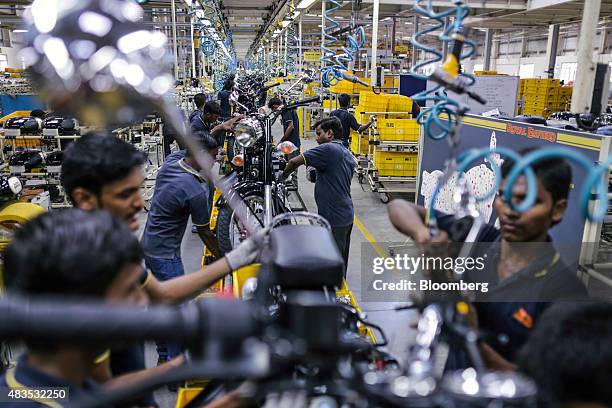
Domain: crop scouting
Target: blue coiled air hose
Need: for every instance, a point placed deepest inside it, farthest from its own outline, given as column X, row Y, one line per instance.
column 595, row 180
column 466, row 159
column 329, row 74
column 445, row 112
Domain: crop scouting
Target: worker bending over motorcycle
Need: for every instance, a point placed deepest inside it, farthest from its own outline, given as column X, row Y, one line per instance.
column 334, row 171
column 100, row 171
column 522, row 267
column 205, row 118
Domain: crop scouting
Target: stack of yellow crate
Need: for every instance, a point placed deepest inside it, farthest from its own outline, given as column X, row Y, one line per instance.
column 396, row 163
column 329, row 104
column 398, row 103
column 371, row 102
column 359, row 143
column 398, row 130
column 342, row 87
column 541, row 96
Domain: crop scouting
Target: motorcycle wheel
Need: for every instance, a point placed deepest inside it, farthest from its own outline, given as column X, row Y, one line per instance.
column 230, row 232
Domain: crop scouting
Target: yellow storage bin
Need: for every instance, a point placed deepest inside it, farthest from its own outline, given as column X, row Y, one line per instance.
column 396, row 164
column 360, row 143
column 371, row 102
column 398, row 129
column 329, row 104
column 399, row 103
column 342, row 87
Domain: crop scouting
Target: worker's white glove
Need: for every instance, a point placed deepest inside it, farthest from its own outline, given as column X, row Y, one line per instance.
column 246, row 253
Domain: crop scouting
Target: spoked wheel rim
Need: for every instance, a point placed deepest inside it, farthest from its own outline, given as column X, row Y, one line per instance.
column 237, row 232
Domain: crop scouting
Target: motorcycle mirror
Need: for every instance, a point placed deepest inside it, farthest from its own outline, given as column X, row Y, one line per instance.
column 286, row 147
column 238, row 160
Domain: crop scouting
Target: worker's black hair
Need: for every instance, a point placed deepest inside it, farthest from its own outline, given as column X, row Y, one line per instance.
column 212, row 107
column 199, row 100
column 568, row 354
column 274, row 101
column 98, row 159
column 344, row 100
column 228, row 85
column 205, row 140
column 69, row 253
column 331, row 123
column 38, row 113
column 555, row 174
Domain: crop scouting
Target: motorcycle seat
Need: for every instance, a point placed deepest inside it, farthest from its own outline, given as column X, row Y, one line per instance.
column 305, row 257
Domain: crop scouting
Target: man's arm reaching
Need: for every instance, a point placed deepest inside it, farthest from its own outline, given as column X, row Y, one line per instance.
column 182, row 288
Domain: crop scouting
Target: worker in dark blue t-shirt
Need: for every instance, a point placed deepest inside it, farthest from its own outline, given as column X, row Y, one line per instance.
column 37, row 265
column 180, row 192
column 348, row 120
column 522, row 267
column 334, row 171
column 224, row 100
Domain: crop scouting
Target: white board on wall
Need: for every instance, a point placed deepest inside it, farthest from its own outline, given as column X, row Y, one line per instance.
column 500, row 91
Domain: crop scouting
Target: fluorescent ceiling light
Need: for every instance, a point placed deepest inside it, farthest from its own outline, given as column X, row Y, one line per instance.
column 304, row 4
column 20, row 31
column 311, row 15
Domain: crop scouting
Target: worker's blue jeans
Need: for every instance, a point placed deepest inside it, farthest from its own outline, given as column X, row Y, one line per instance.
column 164, row 269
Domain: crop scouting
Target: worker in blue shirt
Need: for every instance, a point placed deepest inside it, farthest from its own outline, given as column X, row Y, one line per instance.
column 37, row 264
column 224, row 99
column 102, row 172
column 180, row 192
column 334, row 171
column 523, row 269
column 206, row 119
column 348, row 120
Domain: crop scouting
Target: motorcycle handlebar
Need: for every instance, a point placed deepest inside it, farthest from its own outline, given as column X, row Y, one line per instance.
column 265, row 88
column 302, row 103
column 53, row 320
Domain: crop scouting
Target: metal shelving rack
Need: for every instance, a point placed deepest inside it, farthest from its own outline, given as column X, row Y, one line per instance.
column 366, row 163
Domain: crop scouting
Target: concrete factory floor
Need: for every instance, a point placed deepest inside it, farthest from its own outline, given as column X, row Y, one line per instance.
column 372, row 224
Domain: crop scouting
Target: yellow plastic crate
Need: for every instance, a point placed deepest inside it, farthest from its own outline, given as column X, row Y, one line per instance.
column 371, row 102
column 396, row 164
column 328, row 103
column 360, row 143
column 399, row 103
column 398, row 129
column 342, row 87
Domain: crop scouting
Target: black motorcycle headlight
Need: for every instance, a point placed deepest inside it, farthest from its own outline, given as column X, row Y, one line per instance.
column 247, row 131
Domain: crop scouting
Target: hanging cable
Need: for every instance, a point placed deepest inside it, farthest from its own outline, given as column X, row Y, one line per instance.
column 329, row 73
column 353, row 44
column 446, row 112
column 595, row 181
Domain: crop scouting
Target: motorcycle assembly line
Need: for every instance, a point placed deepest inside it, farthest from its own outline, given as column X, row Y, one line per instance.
column 256, row 164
